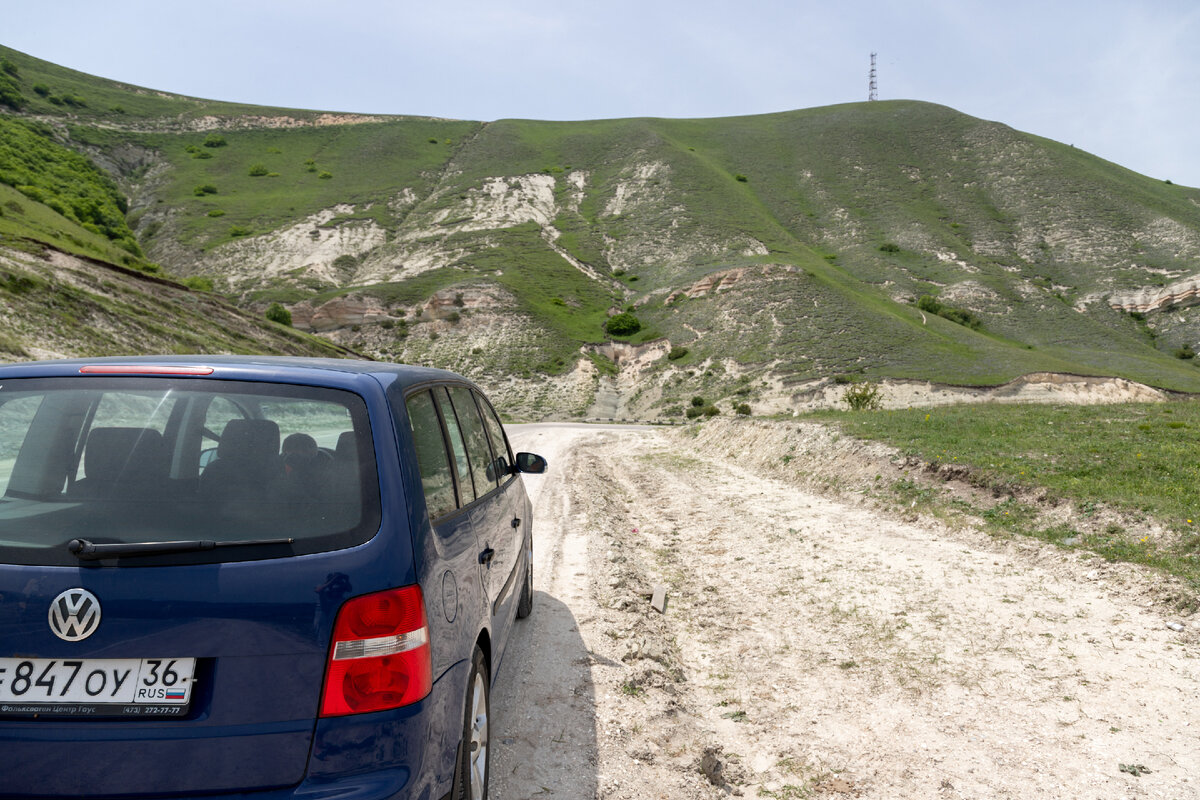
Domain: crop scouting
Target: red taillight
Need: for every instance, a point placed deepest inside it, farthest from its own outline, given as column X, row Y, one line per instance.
column 379, row 657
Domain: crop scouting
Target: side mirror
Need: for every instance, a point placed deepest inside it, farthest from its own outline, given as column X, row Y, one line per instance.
column 533, row 464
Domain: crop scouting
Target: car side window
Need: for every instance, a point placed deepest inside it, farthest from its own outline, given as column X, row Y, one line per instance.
column 432, row 459
column 502, row 455
column 457, row 446
column 15, row 418
column 476, row 438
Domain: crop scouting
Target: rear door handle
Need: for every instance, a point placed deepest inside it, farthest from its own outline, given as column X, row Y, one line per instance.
column 487, row 555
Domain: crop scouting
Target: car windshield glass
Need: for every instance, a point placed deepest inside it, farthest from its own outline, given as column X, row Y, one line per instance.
column 141, row 460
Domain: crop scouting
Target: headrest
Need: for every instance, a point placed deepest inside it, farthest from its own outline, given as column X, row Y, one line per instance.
column 114, row 454
column 249, row 439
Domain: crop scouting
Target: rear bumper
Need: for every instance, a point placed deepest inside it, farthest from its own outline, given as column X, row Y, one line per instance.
column 402, row 754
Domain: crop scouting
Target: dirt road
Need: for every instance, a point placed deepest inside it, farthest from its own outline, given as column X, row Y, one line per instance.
column 814, row 646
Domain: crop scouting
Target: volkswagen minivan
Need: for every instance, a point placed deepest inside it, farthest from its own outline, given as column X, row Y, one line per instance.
column 236, row 576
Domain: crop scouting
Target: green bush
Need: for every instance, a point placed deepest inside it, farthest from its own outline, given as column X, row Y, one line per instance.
column 258, row 170
column 693, row 412
column 1186, row 352
column 740, row 178
column 200, row 283
column 956, row 315
column 10, row 93
column 239, row 230
column 889, row 247
column 743, row 409
column 862, row 397
column 677, row 353
column 203, row 189
column 277, row 313
column 623, row 324
column 699, row 402
column 217, row 212
column 215, row 140
column 41, row 90
column 711, row 411
column 325, row 175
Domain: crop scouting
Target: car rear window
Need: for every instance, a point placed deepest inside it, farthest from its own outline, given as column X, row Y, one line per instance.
column 125, row 460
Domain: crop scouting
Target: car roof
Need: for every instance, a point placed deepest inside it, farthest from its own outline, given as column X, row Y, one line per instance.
column 250, row 367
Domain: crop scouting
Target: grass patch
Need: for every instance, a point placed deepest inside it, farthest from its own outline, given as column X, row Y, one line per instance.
column 1135, row 459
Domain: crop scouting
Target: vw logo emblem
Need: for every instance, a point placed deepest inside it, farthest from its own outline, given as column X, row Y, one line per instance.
column 74, row 615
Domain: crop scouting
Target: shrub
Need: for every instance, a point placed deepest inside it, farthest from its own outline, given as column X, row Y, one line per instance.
column 623, row 324
column 203, row 189
column 862, row 397
column 677, row 353
column 201, row 154
column 217, row 212
column 277, row 313
column 743, row 409
column 215, row 140
column 889, row 247
column 711, row 411
column 693, row 412
column 258, row 170
column 1185, row 352
column 41, row 90
column 325, row 176
column 9, row 67
column 345, row 262
column 957, row 315
column 741, row 178
column 10, row 93
column 699, row 402
column 201, row 283
column 239, row 230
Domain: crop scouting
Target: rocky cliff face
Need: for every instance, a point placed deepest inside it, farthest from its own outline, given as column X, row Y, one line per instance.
column 1176, row 295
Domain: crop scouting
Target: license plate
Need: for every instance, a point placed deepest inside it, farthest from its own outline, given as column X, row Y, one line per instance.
column 96, row 686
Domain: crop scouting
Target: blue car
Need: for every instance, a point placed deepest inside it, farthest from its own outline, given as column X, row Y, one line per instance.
column 230, row 575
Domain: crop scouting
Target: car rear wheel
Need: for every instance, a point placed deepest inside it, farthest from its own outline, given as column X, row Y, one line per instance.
column 476, row 749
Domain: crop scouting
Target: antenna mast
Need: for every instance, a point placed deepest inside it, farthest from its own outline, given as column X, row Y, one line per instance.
column 872, row 86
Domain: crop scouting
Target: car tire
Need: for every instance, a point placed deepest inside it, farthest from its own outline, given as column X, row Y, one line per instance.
column 525, row 603
column 475, row 751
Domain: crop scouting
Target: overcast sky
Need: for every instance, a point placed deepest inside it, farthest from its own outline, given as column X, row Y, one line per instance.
column 1118, row 79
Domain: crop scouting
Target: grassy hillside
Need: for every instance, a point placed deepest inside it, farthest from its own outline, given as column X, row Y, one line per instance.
column 888, row 239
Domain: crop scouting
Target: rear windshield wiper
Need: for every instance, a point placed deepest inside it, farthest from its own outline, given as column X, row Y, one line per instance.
column 88, row 551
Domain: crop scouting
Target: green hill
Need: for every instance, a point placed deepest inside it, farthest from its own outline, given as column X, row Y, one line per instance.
column 891, row 239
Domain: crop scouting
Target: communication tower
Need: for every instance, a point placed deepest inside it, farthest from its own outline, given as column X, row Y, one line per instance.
column 872, row 86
